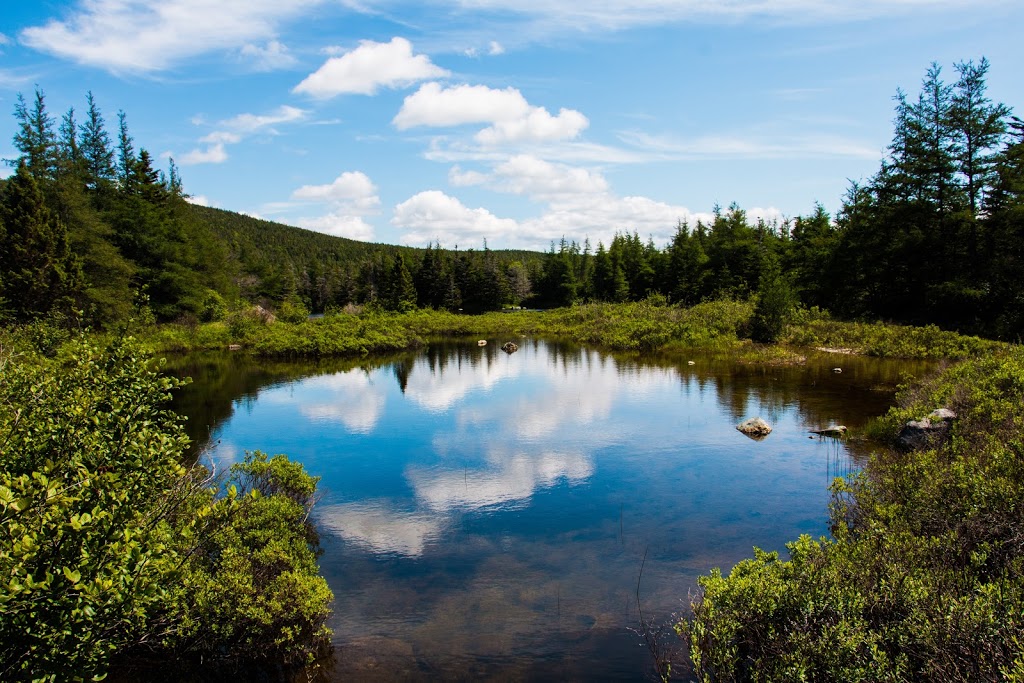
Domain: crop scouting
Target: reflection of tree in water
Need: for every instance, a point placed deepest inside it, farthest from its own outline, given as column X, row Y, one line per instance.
column 219, row 379
column 403, row 368
column 820, row 396
column 839, row 462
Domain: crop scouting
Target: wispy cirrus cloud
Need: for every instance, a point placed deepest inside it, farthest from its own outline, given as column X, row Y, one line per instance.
column 270, row 57
column 141, row 36
column 548, row 16
column 235, row 129
column 749, row 146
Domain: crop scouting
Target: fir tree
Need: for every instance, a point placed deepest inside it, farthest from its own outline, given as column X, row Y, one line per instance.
column 35, row 139
column 37, row 269
column 96, row 148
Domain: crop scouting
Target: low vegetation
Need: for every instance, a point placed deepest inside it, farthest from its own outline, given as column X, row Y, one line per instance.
column 644, row 326
column 111, row 548
column 921, row 579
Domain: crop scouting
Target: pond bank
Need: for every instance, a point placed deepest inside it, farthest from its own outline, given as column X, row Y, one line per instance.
column 636, row 327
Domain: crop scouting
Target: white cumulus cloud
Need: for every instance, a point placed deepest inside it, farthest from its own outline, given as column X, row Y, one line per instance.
column 527, row 175
column 434, row 215
column 460, row 178
column 572, row 201
column 537, row 126
column 352, row 196
column 213, row 154
column 439, row 107
column 339, row 225
column 350, row 186
column 368, row 68
column 512, row 119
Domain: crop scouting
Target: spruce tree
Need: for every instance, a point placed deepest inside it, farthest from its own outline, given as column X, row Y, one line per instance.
column 96, row 148
column 125, row 154
column 35, row 139
column 775, row 301
column 979, row 124
column 37, row 269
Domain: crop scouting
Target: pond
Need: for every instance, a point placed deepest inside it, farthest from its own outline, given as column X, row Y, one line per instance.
column 486, row 516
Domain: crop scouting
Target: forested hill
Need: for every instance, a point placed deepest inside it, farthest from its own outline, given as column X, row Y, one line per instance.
column 273, row 261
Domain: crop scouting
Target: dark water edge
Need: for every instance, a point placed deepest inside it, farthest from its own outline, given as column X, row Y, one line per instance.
column 519, row 596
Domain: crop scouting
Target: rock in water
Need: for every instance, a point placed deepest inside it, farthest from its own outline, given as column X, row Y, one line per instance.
column 831, row 430
column 755, row 428
column 509, row 347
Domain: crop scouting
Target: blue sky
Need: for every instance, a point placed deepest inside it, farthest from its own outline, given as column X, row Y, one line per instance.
column 515, row 122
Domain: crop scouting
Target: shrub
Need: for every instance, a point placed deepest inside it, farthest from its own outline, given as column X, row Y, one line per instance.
column 109, row 546
column 923, row 579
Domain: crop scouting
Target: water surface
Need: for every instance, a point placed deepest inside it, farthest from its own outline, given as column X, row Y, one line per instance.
column 485, row 516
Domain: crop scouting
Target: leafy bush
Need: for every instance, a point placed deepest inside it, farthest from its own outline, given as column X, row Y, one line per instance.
column 90, row 476
column 110, row 547
column 923, row 578
column 252, row 589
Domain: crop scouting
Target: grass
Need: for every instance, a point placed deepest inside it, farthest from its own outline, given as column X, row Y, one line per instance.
column 633, row 327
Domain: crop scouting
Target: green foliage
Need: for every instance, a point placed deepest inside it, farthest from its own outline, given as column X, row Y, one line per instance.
column 922, row 580
column 292, row 310
column 37, row 271
column 775, row 302
column 110, row 546
column 212, row 307
column 252, row 588
column 884, row 340
column 89, row 483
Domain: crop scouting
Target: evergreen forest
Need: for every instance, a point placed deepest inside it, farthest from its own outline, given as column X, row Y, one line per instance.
column 90, row 228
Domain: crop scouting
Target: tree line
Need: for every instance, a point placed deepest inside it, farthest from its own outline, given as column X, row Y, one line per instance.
column 90, row 228
column 933, row 237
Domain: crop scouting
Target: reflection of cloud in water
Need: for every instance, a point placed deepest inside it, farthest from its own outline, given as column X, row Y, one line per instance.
column 439, row 391
column 379, row 528
column 515, row 478
column 354, row 400
column 582, row 398
column 220, row 457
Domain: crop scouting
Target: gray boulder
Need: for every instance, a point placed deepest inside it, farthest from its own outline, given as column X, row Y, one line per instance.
column 926, row 433
column 755, row 428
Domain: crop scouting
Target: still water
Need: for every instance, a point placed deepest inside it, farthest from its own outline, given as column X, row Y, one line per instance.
column 486, row 516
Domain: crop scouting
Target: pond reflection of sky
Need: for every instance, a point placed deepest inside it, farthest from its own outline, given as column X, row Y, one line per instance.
column 472, row 499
